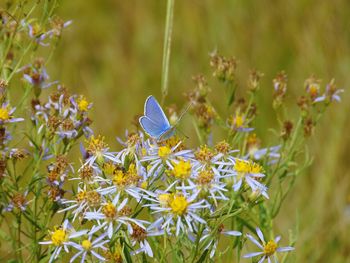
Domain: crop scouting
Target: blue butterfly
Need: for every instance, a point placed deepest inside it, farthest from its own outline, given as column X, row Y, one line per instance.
column 154, row 122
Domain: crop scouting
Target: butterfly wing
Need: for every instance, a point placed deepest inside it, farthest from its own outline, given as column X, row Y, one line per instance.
column 155, row 113
column 151, row 128
column 166, row 134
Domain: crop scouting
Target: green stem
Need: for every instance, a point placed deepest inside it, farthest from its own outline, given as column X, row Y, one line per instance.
column 167, row 47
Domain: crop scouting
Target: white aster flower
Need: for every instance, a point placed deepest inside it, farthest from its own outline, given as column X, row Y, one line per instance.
column 110, row 216
column 248, row 172
column 269, row 248
column 61, row 238
column 178, row 210
column 162, row 157
column 89, row 246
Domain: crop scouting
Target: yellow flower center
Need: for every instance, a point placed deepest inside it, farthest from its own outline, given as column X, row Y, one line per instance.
column 243, row 166
column 270, row 248
column 164, row 152
column 4, row 114
column 182, row 169
column 120, row 178
column 178, row 205
column 83, row 104
column 172, row 142
column 109, row 210
column 58, row 237
column 313, row 90
column 255, row 168
column 81, row 196
column 86, row 244
column 96, row 144
column 238, row 121
column 130, row 177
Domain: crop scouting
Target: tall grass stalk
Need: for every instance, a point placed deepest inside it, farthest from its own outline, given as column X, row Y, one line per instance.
column 167, row 47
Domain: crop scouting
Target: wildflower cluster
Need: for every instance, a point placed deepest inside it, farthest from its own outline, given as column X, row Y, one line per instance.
column 154, row 197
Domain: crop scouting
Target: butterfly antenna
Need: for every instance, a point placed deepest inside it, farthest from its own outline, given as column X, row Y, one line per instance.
column 183, row 133
column 184, row 111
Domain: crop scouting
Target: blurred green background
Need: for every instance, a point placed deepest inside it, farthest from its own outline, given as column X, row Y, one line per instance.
column 113, row 54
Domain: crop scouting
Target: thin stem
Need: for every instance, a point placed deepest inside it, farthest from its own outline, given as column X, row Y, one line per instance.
column 167, row 47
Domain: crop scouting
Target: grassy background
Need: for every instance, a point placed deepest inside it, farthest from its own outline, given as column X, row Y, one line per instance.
column 113, row 54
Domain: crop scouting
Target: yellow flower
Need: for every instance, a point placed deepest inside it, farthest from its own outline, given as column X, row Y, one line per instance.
column 238, row 121
column 5, row 114
column 270, row 248
column 86, row 244
column 58, row 237
column 164, row 152
column 109, row 210
column 120, row 178
column 178, row 205
column 243, row 166
column 255, row 168
column 83, row 104
column 182, row 169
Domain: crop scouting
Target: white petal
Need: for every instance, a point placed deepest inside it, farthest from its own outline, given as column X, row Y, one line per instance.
column 260, row 234
column 284, row 249
column 254, row 254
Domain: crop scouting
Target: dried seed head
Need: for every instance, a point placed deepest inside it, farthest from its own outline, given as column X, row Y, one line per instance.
column 308, row 127
column 206, row 115
column 138, row 233
column 18, row 154
column 254, row 80
column 224, row 68
column 303, row 103
column 19, row 200
column 61, row 162
column 222, row 147
column 205, row 177
column 67, row 125
column 287, row 130
column 280, row 84
column 2, row 168
column 280, row 89
column 86, row 172
column 125, row 211
column 53, row 123
column 55, row 193
column 204, row 154
column 38, row 63
column 34, row 103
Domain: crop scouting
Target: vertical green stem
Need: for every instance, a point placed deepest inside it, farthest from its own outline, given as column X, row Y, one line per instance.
column 167, row 47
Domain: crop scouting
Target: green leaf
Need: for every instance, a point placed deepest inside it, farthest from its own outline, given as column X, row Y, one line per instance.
column 127, row 255
column 203, row 256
